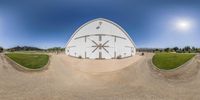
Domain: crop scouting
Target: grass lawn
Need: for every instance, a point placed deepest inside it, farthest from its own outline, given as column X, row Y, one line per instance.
column 32, row 61
column 171, row 60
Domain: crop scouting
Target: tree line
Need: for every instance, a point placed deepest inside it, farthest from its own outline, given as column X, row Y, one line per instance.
column 29, row 48
column 23, row 48
column 186, row 49
column 56, row 49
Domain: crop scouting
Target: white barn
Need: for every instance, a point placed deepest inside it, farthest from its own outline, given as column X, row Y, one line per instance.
column 100, row 39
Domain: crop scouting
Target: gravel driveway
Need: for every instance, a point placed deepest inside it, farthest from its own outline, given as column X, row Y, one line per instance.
column 62, row 81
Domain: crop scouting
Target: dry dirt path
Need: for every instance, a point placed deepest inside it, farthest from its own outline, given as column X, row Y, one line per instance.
column 64, row 82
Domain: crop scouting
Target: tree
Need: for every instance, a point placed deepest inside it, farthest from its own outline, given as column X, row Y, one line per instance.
column 56, row 49
column 156, row 50
column 167, row 49
column 1, row 49
column 187, row 48
column 175, row 49
column 193, row 48
column 198, row 50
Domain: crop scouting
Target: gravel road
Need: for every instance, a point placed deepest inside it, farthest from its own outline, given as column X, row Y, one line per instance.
column 63, row 81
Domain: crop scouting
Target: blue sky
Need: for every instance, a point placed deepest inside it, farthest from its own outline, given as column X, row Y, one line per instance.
column 49, row 23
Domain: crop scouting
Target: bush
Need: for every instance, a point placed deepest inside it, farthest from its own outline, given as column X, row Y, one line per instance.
column 143, row 54
column 1, row 49
column 119, row 57
column 80, row 57
column 198, row 50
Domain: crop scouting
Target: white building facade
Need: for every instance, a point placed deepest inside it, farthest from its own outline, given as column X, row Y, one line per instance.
column 100, row 39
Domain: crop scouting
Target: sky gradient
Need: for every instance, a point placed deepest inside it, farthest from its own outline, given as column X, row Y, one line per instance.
column 50, row 23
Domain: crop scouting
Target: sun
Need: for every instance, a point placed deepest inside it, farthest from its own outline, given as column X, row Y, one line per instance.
column 183, row 25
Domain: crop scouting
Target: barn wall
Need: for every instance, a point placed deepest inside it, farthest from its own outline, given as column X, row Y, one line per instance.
column 112, row 41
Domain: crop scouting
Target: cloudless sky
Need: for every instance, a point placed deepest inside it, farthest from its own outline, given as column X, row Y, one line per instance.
column 50, row 23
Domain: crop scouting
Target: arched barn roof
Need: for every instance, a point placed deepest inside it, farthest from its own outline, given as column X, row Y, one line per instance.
column 102, row 29
column 101, row 19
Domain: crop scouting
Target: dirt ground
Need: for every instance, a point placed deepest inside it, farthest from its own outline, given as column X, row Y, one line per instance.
column 63, row 81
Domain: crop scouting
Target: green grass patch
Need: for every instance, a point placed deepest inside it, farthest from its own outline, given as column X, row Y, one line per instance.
column 169, row 61
column 32, row 61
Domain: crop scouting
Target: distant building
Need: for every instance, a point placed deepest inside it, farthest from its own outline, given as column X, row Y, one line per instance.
column 100, row 39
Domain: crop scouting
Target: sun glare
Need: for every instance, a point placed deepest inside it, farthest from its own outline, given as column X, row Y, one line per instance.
column 183, row 25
